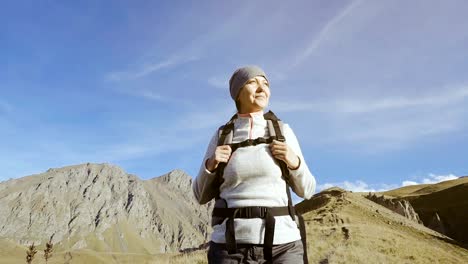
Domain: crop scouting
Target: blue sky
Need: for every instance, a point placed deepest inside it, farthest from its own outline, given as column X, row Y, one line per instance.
column 376, row 91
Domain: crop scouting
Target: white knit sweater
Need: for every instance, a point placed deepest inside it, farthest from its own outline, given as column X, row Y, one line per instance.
column 252, row 177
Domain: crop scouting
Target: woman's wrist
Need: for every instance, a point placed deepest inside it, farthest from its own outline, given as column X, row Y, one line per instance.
column 297, row 163
column 210, row 165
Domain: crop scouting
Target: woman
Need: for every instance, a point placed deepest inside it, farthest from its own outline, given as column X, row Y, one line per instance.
column 252, row 179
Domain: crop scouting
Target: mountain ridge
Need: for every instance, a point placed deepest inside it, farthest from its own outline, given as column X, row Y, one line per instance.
column 84, row 202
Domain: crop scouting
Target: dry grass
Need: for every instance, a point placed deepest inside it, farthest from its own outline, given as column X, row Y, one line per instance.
column 422, row 189
column 13, row 253
column 30, row 253
column 375, row 235
column 48, row 250
column 198, row 257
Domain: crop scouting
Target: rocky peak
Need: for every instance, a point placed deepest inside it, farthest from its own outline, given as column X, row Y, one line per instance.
column 399, row 206
column 176, row 179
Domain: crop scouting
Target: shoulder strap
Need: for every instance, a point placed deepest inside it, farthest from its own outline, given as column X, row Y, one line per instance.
column 226, row 132
column 275, row 126
column 225, row 135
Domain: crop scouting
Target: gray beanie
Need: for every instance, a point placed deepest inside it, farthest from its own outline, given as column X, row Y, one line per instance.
column 241, row 76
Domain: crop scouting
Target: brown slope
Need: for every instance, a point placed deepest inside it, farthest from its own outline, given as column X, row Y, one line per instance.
column 14, row 253
column 406, row 190
column 422, row 189
column 345, row 227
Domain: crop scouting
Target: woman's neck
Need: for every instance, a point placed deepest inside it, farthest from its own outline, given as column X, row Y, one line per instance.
column 243, row 114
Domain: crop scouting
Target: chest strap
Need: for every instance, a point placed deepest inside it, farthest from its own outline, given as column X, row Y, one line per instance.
column 250, row 212
column 251, row 142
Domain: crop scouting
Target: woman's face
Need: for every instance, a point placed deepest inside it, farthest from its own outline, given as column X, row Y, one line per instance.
column 254, row 96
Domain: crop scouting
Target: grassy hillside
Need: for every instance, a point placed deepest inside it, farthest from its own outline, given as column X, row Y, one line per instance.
column 421, row 189
column 345, row 227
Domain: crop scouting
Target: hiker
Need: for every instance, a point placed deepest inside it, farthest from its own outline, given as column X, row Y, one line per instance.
column 244, row 170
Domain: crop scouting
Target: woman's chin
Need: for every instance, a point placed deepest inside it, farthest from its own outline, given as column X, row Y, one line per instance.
column 260, row 108
column 262, row 103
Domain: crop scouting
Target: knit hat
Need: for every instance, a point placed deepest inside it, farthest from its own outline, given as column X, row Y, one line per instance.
column 241, row 76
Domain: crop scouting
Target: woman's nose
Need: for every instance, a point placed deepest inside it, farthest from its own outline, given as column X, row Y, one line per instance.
column 260, row 85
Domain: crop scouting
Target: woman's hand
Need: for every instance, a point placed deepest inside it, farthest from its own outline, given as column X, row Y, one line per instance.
column 222, row 154
column 281, row 150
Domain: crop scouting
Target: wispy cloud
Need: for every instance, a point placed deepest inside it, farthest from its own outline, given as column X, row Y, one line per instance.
column 357, row 186
column 362, row 186
column 151, row 95
column 382, row 124
column 324, row 32
column 198, row 120
column 450, row 96
column 194, row 50
column 149, row 68
column 431, row 179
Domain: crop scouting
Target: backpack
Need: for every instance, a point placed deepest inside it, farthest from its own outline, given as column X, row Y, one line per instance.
column 221, row 212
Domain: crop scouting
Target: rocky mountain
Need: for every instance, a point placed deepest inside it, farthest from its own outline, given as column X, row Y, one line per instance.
column 442, row 206
column 399, row 206
column 103, row 208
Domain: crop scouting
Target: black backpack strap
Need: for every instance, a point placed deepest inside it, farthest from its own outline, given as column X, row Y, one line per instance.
column 275, row 127
column 225, row 134
column 303, row 232
column 269, row 236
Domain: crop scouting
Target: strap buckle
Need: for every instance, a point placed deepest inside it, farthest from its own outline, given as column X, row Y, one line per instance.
column 281, row 138
column 257, row 211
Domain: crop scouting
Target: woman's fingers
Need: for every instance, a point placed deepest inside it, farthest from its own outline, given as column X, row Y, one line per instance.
column 278, row 148
column 225, row 147
column 224, row 157
column 281, row 151
column 223, row 153
column 278, row 151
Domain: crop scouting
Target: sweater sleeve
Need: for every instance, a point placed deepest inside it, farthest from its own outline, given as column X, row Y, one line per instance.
column 302, row 181
column 203, row 186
